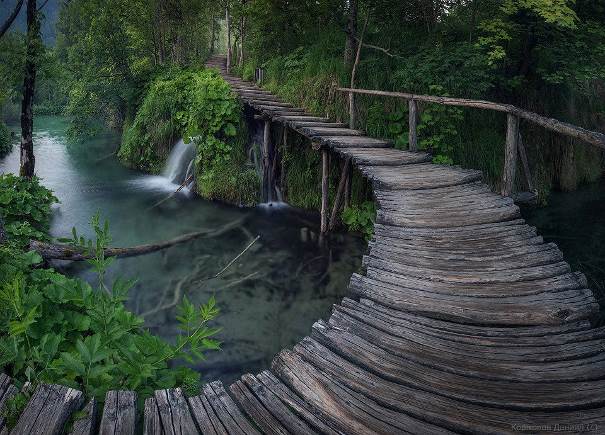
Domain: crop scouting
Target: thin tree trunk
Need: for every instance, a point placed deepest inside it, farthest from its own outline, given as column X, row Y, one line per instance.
column 33, row 43
column 240, row 57
column 11, row 18
column 213, row 35
column 228, row 23
column 351, row 31
column 352, row 114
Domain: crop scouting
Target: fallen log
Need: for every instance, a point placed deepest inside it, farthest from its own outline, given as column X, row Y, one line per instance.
column 59, row 251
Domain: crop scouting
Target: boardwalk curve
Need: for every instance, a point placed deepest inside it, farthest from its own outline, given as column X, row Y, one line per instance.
column 465, row 321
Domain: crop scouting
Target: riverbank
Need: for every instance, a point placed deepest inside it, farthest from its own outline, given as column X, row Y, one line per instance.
column 269, row 298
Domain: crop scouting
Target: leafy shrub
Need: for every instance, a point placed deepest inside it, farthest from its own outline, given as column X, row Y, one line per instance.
column 360, row 218
column 196, row 105
column 6, row 144
column 25, row 208
column 61, row 330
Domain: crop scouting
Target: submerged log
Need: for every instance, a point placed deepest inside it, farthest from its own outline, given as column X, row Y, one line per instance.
column 57, row 251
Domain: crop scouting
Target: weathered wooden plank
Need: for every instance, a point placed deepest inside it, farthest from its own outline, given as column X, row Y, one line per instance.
column 87, row 424
column 474, row 359
column 294, row 402
column 119, row 413
column 226, row 410
column 205, row 416
column 258, row 413
column 48, row 410
column 353, row 142
column 7, row 390
column 152, row 423
column 419, row 176
column 523, row 396
column 271, row 402
column 506, row 333
column 314, row 132
column 383, row 156
column 486, row 311
column 346, row 410
column 434, row 408
column 174, row 412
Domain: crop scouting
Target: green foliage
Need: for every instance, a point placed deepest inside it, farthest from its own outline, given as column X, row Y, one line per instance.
column 61, row 330
column 6, row 142
column 438, row 129
column 25, row 208
column 111, row 50
column 361, row 218
column 199, row 106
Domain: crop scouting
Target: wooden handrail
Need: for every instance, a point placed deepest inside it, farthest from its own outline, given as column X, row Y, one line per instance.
column 589, row 136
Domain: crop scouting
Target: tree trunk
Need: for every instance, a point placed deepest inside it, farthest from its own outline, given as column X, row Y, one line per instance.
column 33, row 43
column 55, row 251
column 212, row 35
column 228, row 23
column 351, row 31
column 352, row 113
column 240, row 57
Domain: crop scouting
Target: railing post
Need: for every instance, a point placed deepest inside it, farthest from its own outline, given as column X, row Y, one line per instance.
column 510, row 154
column 324, row 190
column 351, row 110
column 413, row 121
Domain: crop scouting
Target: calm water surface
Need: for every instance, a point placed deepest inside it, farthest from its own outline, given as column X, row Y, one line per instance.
column 575, row 221
column 269, row 298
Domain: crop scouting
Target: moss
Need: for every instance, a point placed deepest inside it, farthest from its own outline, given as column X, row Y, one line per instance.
column 229, row 179
column 194, row 104
column 303, row 177
column 6, row 143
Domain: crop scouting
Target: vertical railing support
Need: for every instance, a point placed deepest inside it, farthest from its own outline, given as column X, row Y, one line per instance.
column 413, row 121
column 510, row 154
column 340, row 193
column 351, row 110
column 325, row 173
column 266, row 168
column 525, row 164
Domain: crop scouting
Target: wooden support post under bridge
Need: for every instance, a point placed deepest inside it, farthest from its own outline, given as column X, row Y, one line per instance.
column 325, row 175
column 340, row 193
column 266, row 167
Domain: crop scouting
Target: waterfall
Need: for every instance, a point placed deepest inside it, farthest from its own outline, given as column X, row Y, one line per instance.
column 180, row 162
column 180, row 166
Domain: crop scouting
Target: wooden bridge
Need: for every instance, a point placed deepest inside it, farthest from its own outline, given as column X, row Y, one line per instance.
column 465, row 321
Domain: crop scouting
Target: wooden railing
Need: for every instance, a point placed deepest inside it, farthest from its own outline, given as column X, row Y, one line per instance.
column 514, row 143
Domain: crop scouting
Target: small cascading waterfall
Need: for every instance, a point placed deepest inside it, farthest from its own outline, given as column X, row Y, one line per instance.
column 180, row 164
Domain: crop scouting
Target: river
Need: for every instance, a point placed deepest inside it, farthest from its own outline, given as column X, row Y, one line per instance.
column 268, row 298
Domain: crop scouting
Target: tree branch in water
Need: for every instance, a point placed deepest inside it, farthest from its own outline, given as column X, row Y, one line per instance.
column 56, row 251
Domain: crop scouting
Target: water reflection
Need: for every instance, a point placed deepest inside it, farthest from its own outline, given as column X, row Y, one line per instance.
column 269, row 297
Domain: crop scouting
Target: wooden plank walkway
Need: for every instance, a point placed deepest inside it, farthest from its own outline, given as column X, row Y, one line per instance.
column 465, row 321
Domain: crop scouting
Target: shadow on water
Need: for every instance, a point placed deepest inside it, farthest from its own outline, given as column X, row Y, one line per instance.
column 269, row 298
column 575, row 221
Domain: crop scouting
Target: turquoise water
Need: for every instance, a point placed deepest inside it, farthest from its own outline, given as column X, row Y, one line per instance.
column 269, row 298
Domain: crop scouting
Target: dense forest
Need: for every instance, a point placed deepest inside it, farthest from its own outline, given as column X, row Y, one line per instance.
column 135, row 68
column 546, row 56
